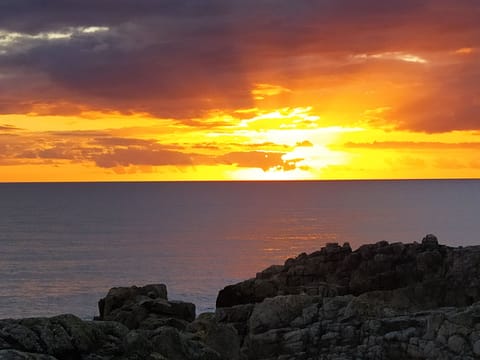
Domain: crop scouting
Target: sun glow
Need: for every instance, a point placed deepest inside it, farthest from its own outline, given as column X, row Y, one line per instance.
column 289, row 143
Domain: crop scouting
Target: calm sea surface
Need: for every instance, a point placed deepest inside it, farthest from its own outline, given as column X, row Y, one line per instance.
column 62, row 246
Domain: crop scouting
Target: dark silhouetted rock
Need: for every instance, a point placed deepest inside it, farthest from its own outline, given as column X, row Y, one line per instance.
column 454, row 273
column 221, row 337
column 66, row 337
column 382, row 301
column 63, row 337
column 145, row 307
column 20, row 355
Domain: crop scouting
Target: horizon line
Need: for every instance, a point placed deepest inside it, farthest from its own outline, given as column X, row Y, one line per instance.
column 235, row 181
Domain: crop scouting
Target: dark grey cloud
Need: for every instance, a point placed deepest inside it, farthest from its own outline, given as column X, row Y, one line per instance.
column 137, row 68
column 33, row 16
column 182, row 58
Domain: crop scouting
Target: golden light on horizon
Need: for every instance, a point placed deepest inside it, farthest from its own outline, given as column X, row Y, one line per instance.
column 283, row 144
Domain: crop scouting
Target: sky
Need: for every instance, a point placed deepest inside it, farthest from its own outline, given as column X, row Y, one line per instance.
column 151, row 90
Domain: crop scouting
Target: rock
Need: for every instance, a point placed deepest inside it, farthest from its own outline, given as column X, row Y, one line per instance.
column 153, row 322
column 452, row 274
column 382, row 301
column 224, row 339
column 70, row 338
column 175, row 309
column 221, row 337
column 174, row 345
column 234, row 314
column 249, row 291
column 476, row 348
column 67, row 337
column 430, row 241
column 201, row 324
column 121, row 296
column 269, row 272
column 62, row 336
column 277, row 312
column 264, row 345
column 457, row 344
column 18, row 355
column 237, row 316
column 144, row 307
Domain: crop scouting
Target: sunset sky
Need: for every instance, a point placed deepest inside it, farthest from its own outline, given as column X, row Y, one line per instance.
column 120, row 90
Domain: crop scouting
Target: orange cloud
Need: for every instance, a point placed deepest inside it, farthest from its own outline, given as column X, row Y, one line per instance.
column 258, row 159
column 263, row 90
column 306, row 90
column 413, row 145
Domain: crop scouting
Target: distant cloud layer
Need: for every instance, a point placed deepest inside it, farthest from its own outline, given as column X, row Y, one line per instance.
column 120, row 154
column 182, row 59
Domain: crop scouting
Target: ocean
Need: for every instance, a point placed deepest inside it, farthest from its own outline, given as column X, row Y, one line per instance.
column 63, row 245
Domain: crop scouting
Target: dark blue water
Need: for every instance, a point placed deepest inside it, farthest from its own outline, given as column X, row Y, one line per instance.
column 62, row 246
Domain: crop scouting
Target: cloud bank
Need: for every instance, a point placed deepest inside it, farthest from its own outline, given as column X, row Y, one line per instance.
column 183, row 59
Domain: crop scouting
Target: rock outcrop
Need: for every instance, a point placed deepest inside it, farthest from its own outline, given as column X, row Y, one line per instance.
column 381, row 301
column 444, row 276
column 346, row 327
column 145, row 307
column 135, row 323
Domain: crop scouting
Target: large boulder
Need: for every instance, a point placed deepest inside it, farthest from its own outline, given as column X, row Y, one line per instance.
column 144, row 307
column 119, row 297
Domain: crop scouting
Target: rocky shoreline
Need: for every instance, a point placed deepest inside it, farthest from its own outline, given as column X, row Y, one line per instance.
column 381, row 301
